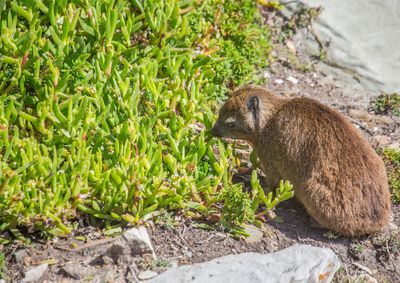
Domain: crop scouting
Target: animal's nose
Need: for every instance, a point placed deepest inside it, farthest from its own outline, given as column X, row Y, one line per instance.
column 215, row 132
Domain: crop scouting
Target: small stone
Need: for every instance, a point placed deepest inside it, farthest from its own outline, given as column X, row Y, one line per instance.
column 35, row 273
column 72, row 270
column 293, row 80
column 146, row 275
column 367, row 117
column 290, row 45
column 395, row 145
column 255, row 235
column 392, row 227
column 381, row 119
column 135, row 241
column 382, row 140
column 106, row 260
column 360, row 115
column 267, row 75
column 19, row 256
column 187, row 253
column 106, row 276
column 114, row 252
column 279, row 81
column 139, row 241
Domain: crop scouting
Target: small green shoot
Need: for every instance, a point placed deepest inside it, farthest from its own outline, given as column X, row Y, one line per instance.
column 271, row 200
column 387, row 104
column 392, row 160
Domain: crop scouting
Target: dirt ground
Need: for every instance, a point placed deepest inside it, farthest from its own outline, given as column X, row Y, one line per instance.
column 184, row 243
column 377, row 256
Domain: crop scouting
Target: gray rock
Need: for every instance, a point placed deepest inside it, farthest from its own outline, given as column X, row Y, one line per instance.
column 255, row 235
column 19, row 256
column 360, row 115
column 134, row 241
column 292, row 79
column 392, row 227
column 139, row 241
column 382, row 140
column 381, row 119
column 362, row 38
column 35, row 273
column 299, row 263
column 72, row 270
column 146, row 275
column 364, row 116
column 395, row 145
column 107, row 276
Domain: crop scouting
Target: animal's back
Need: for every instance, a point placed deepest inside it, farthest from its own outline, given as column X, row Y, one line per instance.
column 336, row 174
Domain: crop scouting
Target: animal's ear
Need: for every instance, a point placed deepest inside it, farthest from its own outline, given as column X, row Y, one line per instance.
column 253, row 104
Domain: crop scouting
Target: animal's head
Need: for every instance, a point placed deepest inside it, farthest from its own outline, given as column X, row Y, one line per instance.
column 245, row 113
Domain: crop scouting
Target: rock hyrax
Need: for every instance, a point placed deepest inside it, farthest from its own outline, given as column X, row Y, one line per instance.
column 336, row 174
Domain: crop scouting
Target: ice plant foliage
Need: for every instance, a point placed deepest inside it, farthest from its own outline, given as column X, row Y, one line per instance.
column 105, row 106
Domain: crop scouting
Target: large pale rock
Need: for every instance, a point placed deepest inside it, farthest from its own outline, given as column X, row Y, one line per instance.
column 362, row 39
column 299, row 263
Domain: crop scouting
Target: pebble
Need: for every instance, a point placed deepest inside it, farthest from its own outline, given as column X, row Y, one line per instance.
column 293, row 80
column 135, row 241
column 382, row 140
column 255, row 235
column 139, row 240
column 267, row 75
column 279, row 81
column 73, row 270
column 106, row 276
column 382, row 119
column 146, row 275
column 367, row 117
column 19, row 256
column 395, row 145
column 35, row 273
column 290, row 45
column 359, row 114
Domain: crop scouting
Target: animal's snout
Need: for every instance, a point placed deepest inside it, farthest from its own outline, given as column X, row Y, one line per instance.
column 215, row 131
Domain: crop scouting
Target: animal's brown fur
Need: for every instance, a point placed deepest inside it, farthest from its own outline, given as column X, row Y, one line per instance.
column 336, row 174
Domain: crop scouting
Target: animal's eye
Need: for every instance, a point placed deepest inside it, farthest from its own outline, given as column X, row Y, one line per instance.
column 230, row 122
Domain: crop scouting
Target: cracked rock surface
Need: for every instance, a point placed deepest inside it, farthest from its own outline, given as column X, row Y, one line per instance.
column 298, row 263
column 361, row 39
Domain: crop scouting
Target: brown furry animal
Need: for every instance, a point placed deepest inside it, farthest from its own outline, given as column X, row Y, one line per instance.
column 336, row 174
